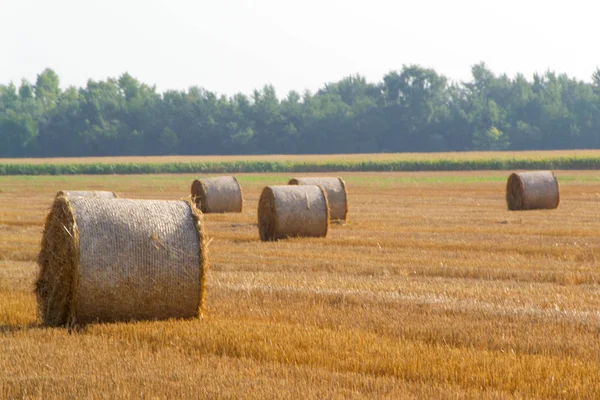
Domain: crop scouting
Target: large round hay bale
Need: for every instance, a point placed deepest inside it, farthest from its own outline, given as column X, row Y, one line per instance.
column 87, row 193
column 336, row 194
column 532, row 190
column 287, row 211
column 119, row 259
column 218, row 195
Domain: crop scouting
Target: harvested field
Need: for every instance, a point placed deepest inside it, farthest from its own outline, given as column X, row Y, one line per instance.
column 432, row 290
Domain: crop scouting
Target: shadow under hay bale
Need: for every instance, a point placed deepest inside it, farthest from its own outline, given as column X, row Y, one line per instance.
column 288, row 211
column 336, row 194
column 218, row 195
column 87, row 193
column 532, row 190
column 119, row 259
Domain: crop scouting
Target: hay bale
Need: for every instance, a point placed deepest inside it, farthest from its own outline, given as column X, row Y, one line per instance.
column 218, row 195
column 532, row 190
column 336, row 194
column 119, row 259
column 285, row 211
column 87, row 193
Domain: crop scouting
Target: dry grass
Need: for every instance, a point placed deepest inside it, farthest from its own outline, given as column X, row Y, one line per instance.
column 431, row 291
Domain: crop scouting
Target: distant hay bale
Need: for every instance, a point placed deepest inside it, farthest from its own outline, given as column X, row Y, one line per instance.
column 218, row 195
column 119, row 259
column 532, row 190
column 287, row 211
column 87, row 193
column 336, row 194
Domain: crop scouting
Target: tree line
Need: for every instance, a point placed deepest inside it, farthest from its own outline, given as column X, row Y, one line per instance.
column 413, row 109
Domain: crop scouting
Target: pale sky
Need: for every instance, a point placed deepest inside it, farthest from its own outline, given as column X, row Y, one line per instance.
column 231, row 46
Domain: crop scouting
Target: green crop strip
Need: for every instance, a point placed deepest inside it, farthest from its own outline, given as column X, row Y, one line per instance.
column 563, row 163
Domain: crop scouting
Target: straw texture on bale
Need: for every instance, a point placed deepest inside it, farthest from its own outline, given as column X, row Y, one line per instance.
column 288, row 211
column 532, row 190
column 87, row 193
column 218, row 195
column 336, row 194
column 119, row 259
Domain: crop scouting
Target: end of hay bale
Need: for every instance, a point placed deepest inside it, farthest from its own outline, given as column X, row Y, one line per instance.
column 327, row 210
column 199, row 224
column 267, row 215
column 199, row 195
column 58, row 262
column 241, row 204
column 514, row 192
column 343, row 183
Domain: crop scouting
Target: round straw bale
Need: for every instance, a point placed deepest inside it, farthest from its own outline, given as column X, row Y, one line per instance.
column 218, row 195
column 532, row 190
column 119, row 259
column 336, row 194
column 285, row 211
column 87, row 193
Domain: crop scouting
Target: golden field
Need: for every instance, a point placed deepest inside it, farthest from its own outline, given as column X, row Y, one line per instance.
column 431, row 290
column 324, row 158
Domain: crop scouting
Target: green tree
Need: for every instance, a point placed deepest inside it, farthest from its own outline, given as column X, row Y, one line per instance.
column 416, row 99
column 596, row 81
column 411, row 109
column 17, row 132
column 47, row 88
column 8, row 97
column 26, row 91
